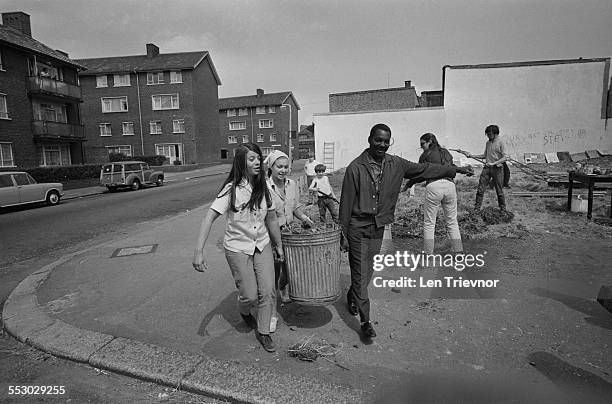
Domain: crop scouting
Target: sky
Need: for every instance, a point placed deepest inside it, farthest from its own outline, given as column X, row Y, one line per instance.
column 319, row 47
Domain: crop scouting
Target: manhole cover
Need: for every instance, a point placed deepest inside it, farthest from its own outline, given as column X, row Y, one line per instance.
column 126, row 251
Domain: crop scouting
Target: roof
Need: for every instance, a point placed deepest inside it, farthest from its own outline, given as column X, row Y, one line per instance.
column 20, row 40
column 257, row 101
column 143, row 63
column 529, row 63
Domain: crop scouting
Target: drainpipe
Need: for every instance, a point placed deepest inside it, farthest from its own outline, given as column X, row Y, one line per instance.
column 139, row 114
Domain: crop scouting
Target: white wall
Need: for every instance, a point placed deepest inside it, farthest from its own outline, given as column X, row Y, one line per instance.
column 350, row 131
column 542, row 108
column 539, row 108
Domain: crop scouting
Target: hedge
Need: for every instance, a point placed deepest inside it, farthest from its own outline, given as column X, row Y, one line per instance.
column 64, row 173
column 150, row 160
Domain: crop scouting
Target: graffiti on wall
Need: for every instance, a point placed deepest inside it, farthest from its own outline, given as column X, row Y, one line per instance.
column 549, row 139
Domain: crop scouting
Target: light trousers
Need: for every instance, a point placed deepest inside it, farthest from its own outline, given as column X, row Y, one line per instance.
column 441, row 193
column 254, row 278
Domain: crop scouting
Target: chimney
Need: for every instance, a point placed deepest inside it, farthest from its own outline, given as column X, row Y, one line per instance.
column 152, row 50
column 260, row 92
column 19, row 21
column 408, row 83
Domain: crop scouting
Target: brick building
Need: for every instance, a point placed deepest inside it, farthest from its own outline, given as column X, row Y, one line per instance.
column 306, row 141
column 164, row 104
column 40, row 121
column 263, row 119
column 375, row 100
column 434, row 98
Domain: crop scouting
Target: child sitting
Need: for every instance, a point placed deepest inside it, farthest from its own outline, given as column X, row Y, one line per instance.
column 325, row 193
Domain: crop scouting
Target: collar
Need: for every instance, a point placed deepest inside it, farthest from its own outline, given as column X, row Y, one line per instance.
column 364, row 158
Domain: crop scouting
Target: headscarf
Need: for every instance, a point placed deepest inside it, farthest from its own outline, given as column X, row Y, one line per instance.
column 273, row 156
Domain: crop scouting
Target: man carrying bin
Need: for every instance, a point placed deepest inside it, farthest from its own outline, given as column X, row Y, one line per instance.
column 370, row 190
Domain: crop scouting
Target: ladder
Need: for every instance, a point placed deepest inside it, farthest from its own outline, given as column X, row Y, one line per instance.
column 328, row 155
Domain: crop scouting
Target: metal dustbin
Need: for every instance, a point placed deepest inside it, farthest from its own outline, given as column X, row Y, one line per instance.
column 313, row 266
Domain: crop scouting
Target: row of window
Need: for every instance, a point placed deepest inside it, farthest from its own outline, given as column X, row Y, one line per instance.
column 155, row 128
column 48, row 155
column 241, row 125
column 245, row 138
column 258, row 110
column 164, row 149
column 159, row 102
column 123, row 80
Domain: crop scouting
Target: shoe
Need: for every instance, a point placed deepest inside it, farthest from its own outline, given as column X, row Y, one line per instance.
column 368, row 330
column 285, row 295
column 273, row 322
column 266, row 342
column 249, row 320
column 352, row 309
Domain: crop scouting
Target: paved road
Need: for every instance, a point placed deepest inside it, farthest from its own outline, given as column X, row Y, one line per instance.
column 35, row 236
column 38, row 231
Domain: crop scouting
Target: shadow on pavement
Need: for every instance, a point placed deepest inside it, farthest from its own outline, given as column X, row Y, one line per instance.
column 571, row 379
column 227, row 309
column 598, row 316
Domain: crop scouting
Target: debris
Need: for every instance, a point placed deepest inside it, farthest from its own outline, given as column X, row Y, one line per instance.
column 293, row 328
column 163, row 396
column 309, row 350
column 396, row 290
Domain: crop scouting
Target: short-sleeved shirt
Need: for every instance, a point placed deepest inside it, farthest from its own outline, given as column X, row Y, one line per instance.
column 322, row 185
column 494, row 150
column 246, row 229
column 286, row 202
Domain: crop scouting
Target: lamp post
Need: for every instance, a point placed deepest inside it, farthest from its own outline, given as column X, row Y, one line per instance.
column 290, row 110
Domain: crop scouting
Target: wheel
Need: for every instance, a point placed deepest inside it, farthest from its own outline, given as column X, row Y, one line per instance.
column 135, row 185
column 160, row 181
column 111, row 188
column 53, row 198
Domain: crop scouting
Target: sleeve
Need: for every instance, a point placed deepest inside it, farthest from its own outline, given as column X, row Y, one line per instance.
column 222, row 202
column 502, row 147
column 418, row 172
column 313, row 184
column 347, row 197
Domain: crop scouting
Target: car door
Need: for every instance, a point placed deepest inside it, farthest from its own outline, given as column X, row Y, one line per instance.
column 9, row 193
column 29, row 190
column 146, row 172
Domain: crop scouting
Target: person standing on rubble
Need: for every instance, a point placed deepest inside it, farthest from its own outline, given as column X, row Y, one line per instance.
column 495, row 156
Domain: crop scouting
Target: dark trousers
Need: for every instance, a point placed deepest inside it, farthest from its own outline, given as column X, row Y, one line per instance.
column 496, row 175
column 326, row 203
column 364, row 244
column 506, row 176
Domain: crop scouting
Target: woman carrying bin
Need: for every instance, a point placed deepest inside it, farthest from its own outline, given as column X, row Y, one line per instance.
column 251, row 222
column 286, row 197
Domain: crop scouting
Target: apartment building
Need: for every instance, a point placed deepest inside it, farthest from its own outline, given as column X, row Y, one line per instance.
column 264, row 119
column 152, row 104
column 306, row 141
column 40, row 96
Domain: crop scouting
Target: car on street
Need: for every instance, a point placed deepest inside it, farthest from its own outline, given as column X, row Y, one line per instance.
column 129, row 174
column 19, row 188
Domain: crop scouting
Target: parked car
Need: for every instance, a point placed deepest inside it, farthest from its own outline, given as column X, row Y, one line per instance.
column 129, row 174
column 19, row 188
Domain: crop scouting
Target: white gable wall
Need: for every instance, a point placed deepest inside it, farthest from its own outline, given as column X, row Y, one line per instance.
column 545, row 108
column 349, row 132
column 539, row 108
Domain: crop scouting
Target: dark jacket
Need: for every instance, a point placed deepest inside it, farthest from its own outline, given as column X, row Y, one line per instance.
column 359, row 204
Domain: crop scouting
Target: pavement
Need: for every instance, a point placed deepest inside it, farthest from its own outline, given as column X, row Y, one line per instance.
column 168, row 177
column 135, row 306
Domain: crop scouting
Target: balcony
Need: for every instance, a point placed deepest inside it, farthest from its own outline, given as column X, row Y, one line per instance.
column 48, row 130
column 45, row 85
